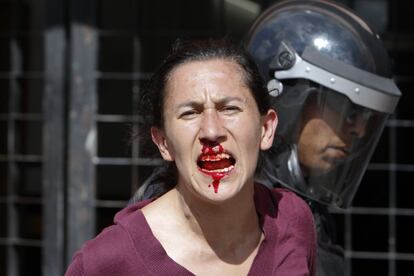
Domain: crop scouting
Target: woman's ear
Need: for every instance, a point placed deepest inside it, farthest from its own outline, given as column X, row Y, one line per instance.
column 160, row 140
column 269, row 124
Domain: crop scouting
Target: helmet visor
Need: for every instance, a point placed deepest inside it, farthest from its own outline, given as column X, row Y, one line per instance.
column 335, row 139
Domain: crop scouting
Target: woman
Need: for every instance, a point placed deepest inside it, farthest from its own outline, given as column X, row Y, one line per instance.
column 211, row 118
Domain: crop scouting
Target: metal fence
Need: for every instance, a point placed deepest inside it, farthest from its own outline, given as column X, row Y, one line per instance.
column 70, row 74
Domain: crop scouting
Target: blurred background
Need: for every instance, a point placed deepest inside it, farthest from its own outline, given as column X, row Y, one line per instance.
column 70, row 74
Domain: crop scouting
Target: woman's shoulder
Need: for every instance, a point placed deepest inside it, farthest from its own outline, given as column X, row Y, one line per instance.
column 288, row 197
column 296, row 232
column 111, row 250
column 103, row 254
column 291, row 209
column 284, row 197
column 293, row 206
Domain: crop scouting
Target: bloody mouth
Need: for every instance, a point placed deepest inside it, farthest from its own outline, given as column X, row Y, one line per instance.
column 215, row 162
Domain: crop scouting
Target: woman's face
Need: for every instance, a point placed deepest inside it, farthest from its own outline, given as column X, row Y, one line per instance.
column 212, row 128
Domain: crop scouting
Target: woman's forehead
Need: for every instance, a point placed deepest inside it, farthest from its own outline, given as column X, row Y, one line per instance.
column 216, row 77
column 214, row 67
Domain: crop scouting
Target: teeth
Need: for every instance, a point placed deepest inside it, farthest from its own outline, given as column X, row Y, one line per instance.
column 215, row 157
column 223, row 156
column 216, row 149
column 225, row 170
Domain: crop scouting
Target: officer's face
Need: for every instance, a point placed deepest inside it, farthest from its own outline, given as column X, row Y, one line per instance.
column 327, row 136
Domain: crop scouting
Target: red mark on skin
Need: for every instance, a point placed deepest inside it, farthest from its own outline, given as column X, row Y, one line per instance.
column 209, row 150
column 216, row 180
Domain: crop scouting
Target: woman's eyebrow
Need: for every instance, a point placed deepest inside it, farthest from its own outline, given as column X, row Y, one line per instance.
column 190, row 103
column 199, row 104
column 231, row 99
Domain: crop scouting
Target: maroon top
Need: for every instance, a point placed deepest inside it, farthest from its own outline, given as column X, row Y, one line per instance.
column 130, row 248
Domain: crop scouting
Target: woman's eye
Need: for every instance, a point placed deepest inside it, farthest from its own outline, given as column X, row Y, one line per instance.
column 231, row 109
column 188, row 114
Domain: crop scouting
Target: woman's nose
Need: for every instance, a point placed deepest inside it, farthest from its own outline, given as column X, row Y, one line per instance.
column 212, row 128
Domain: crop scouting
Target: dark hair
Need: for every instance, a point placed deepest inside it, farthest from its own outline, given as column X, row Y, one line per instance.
column 199, row 50
column 152, row 102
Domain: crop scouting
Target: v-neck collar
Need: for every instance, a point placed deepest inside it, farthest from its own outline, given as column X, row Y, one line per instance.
column 157, row 261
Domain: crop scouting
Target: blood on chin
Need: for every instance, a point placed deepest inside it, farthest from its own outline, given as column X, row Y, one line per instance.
column 216, row 175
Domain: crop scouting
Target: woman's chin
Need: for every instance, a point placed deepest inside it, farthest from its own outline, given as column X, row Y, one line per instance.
column 219, row 192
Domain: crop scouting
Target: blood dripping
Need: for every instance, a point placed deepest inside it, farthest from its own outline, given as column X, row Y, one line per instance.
column 208, row 150
column 216, row 181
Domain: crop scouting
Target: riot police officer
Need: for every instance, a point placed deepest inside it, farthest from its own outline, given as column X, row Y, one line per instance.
column 330, row 77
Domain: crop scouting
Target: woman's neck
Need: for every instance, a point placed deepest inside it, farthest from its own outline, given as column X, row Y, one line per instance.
column 200, row 235
column 223, row 225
